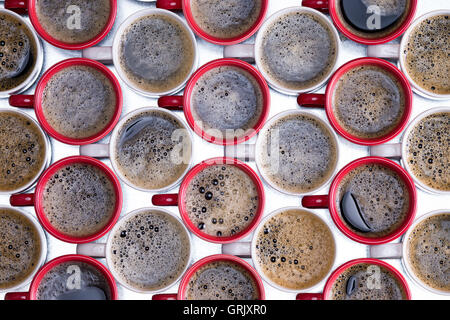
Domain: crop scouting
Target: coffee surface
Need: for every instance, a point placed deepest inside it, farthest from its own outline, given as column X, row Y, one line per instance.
column 295, row 249
column 20, row 248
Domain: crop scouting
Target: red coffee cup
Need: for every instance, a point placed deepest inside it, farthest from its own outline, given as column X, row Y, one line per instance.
column 32, row 293
column 184, row 102
column 181, row 295
column 329, row 200
column 331, row 7
column 185, row 5
column 35, row 101
column 179, row 199
column 325, row 295
column 36, row 199
column 23, row 7
column 326, row 100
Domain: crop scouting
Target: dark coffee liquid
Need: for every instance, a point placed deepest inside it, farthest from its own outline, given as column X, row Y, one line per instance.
column 222, row 280
column 372, row 282
column 60, row 18
column 368, row 102
column 382, row 197
column 79, row 102
column 427, row 54
column 295, row 249
column 222, row 200
column 18, row 52
column 20, row 248
column 79, row 200
column 226, row 18
column 298, row 50
column 73, row 280
column 156, row 53
column 22, row 151
column 428, row 251
column 428, row 151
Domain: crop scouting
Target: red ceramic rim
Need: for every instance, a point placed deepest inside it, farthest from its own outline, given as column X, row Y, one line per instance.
column 65, row 64
column 219, row 257
column 218, row 161
column 73, row 257
column 71, row 46
column 40, row 193
column 386, row 163
column 389, row 67
column 220, row 41
column 345, row 266
column 216, row 64
column 393, row 35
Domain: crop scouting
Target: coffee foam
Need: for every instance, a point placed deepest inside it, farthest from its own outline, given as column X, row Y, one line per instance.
column 370, row 285
column 304, row 150
column 426, row 54
column 22, row 151
column 156, row 53
column 369, row 102
column 150, row 250
column 79, row 200
column 382, row 197
column 228, row 99
column 428, row 251
column 427, row 153
column 298, row 50
column 56, row 17
column 295, row 249
column 146, row 149
column 79, row 102
column 232, row 204
column 222, row 280
column 20, row 248
column 226, row 18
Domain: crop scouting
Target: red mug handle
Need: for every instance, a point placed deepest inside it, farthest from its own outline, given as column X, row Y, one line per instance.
column 171, row 102
column 166, row 296
column 309, row 296
column 22, row 200
column 165, row 200
column 321, row 5
column 315, row 202
column 312, row 100
column 169, row 4
column 22, row 101
column 17, row 296
column 18, row 6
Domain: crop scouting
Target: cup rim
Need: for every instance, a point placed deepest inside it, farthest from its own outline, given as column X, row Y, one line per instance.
column 405, row 178
column 389, row 37
column 71, row 46
column 387, row 66
column 47, row 76
column 117, row 226
column 222, row 41
column 187, row 96
column 218, row 161
column 40, row 189
column 220, row 257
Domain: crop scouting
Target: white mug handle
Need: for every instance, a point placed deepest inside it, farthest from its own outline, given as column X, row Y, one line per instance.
column 240, row 249
column 386, row 51
column 244, row 152
column 386, row 251
column 95, row 150
column 95, row 250
column 389, row 150
column 100, row 54
column 244, row 52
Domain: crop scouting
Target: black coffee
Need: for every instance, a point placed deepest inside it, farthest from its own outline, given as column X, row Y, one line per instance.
column 22, row 151
column 382, row 197
column 74, row 280
column 367, row 282
column 157, row 53
column 427, row 151
column 427, row 61
column 227, row 99
column 20, row 248
column 79, row 200
column 150, row 250
column 79, row 102
column 18, row 52
column 73, row 21
column 368, row 102
column 226, row 18
column 222, row 280
column 298, row 50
